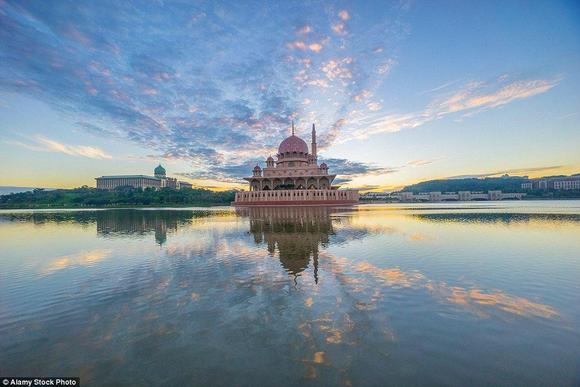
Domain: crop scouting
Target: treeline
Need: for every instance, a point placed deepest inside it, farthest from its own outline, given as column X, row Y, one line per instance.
column 505, row 184
column 122, row 196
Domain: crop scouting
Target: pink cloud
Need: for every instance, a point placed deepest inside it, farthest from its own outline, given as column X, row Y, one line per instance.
column 344, row 15
column 316, row 47
column 305, row 30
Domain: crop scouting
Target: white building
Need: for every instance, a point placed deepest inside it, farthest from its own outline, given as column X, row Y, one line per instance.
column 158, row 181
column 455, row 196
column 557, row 183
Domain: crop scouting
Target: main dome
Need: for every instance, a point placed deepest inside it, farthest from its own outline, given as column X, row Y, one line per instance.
column 159, row 170
column 293, row 144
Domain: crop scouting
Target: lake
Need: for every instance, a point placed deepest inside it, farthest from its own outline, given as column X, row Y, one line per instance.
column 400, row 294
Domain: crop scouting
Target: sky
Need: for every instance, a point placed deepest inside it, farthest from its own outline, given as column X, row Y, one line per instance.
column 400, row 92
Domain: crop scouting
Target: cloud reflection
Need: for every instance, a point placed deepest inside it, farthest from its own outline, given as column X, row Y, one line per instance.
column 83, row 258
column 478, row 301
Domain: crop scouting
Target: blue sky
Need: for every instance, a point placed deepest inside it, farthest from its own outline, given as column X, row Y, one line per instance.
column 400, row 91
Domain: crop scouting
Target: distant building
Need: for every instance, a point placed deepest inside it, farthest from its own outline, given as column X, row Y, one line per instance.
column 376, row 196
column 556, row 182
column 172, row 183
column 455, row 196
column 528, row 185
column 136, row 181
column 567, row 184
column 157, row 181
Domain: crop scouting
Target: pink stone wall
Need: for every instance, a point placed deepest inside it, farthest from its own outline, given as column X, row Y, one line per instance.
column 296, row 197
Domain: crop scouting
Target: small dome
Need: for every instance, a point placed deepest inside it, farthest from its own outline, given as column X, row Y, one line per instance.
column 159, row 170
column 257, row 168
column 293, row 144
column 323, row 166
column 270, row 158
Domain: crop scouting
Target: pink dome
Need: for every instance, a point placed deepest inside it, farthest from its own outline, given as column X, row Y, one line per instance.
column 293, row 144
column 270, row 158
column 257, row 168
column 323, row 166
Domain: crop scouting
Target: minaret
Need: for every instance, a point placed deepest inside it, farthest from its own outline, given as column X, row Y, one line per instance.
column 293, row 127
column 313, row 144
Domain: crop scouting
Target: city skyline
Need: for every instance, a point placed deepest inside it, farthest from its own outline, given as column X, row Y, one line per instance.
column 400, row 92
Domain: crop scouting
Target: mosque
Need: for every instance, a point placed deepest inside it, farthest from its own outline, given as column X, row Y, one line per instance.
column 294, row 178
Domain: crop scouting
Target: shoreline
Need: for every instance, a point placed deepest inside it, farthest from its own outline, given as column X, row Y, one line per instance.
column 120, row 207
column 467, row 201
column 232, row 205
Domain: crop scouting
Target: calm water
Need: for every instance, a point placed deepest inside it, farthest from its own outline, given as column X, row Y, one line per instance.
column 449, row 294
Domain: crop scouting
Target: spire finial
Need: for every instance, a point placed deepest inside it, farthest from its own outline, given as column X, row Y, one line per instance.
column 293, row 127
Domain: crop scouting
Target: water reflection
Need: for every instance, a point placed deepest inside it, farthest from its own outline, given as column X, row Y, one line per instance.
column 82, row 258
column 131, row 222
column 293, row 296
column 503, row 218
column 118, row 223
column 49, row 217
column 295, row 233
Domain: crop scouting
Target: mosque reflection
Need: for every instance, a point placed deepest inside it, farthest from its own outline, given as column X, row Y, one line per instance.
column 295, row 233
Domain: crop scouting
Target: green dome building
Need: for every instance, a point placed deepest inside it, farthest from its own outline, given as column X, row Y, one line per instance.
column 159, row 171
column 159, row 181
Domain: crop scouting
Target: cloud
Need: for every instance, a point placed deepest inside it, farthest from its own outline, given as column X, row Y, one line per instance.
column 319, row 83
column 223, row 173
column 338, row 69
column 297, row 44
column 316, row 47
column 368, row 187
column 420, row 163
column 472, row 98
column 514, row 171
column 73, row 150
column 385, row 68
column 327, row 138
column 363, row 95
column 304, row 30
column 349, row 169
column 478, row 95
column 300, row 45
column 214, row 87
column 344, row 15
column 440, row 87
column 43, row 144
column 339, row 28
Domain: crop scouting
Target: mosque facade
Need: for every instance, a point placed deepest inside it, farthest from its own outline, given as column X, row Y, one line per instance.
column 294, row 178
